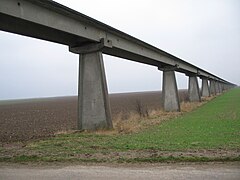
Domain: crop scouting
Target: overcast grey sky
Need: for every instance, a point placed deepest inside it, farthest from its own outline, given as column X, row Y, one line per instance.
column 205, row 33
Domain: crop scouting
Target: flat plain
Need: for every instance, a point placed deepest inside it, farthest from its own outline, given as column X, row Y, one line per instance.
column 208, row 133
column 38, row 118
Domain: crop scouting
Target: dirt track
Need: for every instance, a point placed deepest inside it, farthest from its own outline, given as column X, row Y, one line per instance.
column 173, row 171
column 37, row 118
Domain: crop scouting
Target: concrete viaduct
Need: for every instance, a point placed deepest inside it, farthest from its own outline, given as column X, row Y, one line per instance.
column 48, row 20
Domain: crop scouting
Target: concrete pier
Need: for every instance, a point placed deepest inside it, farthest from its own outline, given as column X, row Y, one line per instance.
column 220, row 87
column 205, row 88
column 193, row 89
column 223, row 87
column 217, row 87
column 93, row 104
column 212, row 87
column 170, row 91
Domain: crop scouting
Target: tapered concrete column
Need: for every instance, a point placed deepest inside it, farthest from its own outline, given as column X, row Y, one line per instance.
column 93, row 103
column 193, row 89
column 227, row 87
column 94, row 109
column 222, row 84
column 170, row 91
column 217, row 87
column 223, row 87
column 205, row 88
column 220, row 87
column 212, row 87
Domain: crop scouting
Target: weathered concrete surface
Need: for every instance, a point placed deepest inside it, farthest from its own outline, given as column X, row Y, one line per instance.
column 223, row 87
column 212, row 87
column 193, row 89
column 217, row 87
column 94, row 110
column 205, row 88
column 133, row 172
column 220, row 87
column 170, row 91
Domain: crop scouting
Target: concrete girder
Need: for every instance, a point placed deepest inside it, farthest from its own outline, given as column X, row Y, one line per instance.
column 54, row 22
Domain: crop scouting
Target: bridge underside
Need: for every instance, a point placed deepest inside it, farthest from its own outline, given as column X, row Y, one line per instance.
column 30, row 29
column 54, row 22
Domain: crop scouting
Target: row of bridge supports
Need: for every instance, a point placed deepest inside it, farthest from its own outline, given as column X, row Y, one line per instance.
column 93, row 103
column 170, row 91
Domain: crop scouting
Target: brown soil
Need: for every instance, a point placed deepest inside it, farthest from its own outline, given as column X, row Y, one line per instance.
column 22, row 120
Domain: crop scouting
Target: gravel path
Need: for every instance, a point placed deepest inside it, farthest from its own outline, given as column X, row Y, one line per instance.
column 162, row 171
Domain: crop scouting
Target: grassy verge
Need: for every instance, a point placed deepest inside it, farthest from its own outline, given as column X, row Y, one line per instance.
column 209, row 133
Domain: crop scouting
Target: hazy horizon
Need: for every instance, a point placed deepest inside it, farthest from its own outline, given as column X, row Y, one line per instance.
column 49, row 97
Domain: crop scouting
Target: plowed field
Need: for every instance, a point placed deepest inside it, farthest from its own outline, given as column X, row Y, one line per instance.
column 38, row 118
